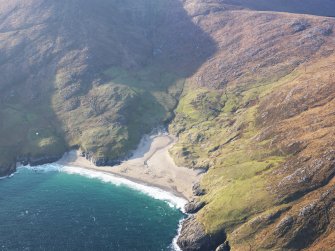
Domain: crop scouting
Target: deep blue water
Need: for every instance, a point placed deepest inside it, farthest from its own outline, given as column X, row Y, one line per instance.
column 61, row 211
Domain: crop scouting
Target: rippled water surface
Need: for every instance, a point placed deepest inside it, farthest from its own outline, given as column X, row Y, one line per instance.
column 60, row 211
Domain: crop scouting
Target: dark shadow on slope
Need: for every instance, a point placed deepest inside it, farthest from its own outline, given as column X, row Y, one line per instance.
column 144, row 48
column 147, row 38
column 58, row 64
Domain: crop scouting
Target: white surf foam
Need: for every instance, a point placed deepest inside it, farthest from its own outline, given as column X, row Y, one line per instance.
column 154, row 192
column 6, row 177
column 174, row 245
column 42, row 168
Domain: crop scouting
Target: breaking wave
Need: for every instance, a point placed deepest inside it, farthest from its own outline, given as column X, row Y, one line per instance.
column 154, row 192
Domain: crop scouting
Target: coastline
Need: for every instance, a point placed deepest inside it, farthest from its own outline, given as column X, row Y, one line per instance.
column 149, row 165
column 150, row 170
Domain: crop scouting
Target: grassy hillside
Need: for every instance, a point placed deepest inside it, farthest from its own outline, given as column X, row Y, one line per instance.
column 88, row 74
column 259, row 116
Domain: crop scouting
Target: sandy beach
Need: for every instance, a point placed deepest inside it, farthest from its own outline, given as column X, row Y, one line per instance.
column 150, row 164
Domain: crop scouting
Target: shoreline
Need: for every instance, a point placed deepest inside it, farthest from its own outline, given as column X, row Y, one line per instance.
column 150, row 165
column 150, row 170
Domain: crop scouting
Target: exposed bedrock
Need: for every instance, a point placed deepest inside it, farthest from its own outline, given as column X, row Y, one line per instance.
column 194, row 206
column 194, row 237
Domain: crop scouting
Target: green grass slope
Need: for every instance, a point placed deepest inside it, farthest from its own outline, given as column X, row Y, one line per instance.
column 259, row 117
column 91, row 74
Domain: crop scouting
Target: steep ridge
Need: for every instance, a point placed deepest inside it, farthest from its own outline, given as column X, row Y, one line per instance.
column 259, row 117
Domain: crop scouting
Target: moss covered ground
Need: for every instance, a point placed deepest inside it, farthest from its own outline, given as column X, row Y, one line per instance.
column 218, row 131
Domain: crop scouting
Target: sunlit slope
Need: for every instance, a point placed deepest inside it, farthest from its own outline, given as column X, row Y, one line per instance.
column 259, row 116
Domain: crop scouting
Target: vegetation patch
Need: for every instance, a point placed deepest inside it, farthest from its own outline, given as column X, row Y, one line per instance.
column 217, row 130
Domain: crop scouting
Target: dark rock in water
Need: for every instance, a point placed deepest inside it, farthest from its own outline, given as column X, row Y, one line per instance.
column 197, row 190
column 223, row 247
column 194, row 206
column 193, row 237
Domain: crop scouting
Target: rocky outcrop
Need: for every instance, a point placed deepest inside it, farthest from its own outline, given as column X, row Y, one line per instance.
column 38, row 160
column 194, row 206
column 35, row 161
column 198, row 190
column 8, row 169
column 194, row 237
column 100, row 161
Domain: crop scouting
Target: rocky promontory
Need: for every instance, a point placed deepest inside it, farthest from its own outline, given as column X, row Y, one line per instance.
column 194, row 237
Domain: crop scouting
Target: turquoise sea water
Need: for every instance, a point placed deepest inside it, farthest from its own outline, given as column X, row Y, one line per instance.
column 56, row 210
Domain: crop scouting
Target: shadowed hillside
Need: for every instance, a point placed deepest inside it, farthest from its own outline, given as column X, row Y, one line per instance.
column 94, row 74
